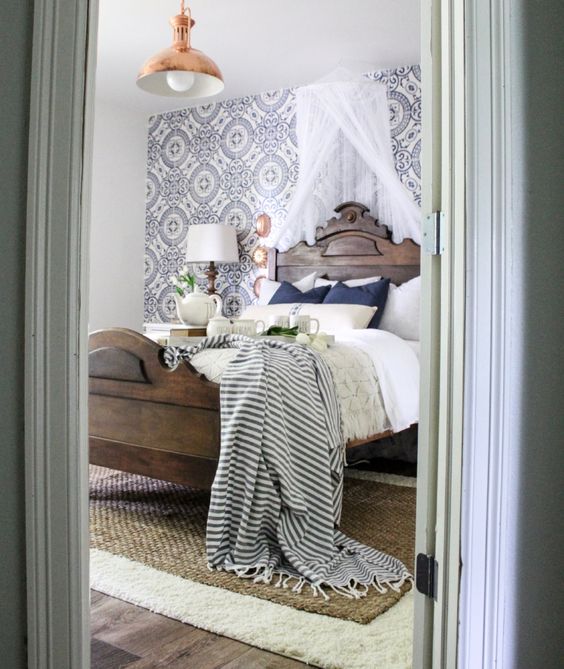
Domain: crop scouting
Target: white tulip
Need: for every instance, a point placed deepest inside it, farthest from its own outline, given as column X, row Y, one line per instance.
column 302, row 338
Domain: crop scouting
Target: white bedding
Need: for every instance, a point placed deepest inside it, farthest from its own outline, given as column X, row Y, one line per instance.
column 376, row 375
column 397, row 369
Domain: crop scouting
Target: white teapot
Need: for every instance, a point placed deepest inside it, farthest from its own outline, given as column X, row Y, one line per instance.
column 197, row 308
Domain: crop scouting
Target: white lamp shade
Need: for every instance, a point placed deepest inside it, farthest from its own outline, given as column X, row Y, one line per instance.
column 211, row 242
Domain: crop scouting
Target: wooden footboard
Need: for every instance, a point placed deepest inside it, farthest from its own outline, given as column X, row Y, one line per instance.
column 147, row 419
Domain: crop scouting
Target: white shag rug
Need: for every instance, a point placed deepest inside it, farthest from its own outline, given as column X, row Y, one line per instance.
column 321, row 641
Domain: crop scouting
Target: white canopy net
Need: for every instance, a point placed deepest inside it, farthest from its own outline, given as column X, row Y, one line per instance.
column 345, row 154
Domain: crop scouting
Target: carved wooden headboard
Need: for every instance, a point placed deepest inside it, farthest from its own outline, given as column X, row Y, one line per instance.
column 352, row 246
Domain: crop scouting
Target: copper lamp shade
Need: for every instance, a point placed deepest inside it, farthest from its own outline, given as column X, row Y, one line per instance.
column 181, row 71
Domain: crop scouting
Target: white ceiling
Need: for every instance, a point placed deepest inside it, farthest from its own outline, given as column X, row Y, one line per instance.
column 258, row 44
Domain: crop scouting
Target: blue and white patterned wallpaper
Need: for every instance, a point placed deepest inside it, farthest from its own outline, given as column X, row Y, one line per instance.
column 230, row 161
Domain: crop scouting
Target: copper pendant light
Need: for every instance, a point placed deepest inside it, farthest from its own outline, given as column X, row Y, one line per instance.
column 181, row 71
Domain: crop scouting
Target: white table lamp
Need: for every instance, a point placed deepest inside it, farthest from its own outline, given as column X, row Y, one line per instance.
column 211, row 243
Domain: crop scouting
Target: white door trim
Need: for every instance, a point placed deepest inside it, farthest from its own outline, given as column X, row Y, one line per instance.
column 55, row 342
column 452, row 334
column 488, row 462
column 439, row 487
column 425, row 540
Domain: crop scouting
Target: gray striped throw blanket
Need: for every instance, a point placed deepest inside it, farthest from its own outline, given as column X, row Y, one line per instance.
column 276, row 498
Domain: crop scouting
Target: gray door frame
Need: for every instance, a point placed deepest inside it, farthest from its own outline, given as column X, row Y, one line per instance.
column 56, row 375
column 56, row 330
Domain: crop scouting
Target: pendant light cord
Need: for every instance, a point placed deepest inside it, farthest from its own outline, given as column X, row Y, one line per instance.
column 184, row 9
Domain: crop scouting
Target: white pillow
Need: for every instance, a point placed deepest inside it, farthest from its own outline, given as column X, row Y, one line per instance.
column 402, row 310
column 350, row 282
column 269, row 287
column 331, row 317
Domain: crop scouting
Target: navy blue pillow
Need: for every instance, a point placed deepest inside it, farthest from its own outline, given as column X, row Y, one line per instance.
column 288, row 293
column 371, row 294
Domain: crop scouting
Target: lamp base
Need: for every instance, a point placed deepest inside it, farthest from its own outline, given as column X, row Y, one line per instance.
column 212, row 276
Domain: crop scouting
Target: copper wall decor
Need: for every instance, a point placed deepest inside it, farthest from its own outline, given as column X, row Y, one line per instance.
column 264, row 225
column 260, row 257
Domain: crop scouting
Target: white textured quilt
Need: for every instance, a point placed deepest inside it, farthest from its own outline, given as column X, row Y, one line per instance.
column 376, row 376
column 397, row 368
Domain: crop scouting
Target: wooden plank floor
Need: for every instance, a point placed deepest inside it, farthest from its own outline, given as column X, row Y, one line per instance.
column 124, row 635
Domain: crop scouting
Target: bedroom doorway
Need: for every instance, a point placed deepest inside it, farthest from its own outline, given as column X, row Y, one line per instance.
column 439, row 430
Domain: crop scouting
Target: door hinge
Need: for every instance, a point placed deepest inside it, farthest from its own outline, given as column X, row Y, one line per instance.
column 426, row 568
column 433, row 237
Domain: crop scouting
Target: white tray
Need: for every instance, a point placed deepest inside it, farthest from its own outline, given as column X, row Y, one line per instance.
column 330, row 339
column 192, row 341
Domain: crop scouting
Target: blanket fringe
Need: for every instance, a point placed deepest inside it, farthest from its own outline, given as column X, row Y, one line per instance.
column 265, row 577
column 352, row 590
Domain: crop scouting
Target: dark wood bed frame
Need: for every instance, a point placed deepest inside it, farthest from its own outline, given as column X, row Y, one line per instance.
column 146, row 419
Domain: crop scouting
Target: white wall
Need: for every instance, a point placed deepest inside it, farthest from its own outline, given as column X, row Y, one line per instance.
column 117, row 226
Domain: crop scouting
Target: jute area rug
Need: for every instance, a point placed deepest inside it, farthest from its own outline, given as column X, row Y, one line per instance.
column 162, row 525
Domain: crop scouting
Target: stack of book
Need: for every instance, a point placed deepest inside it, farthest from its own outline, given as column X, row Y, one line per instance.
column 173, row 334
